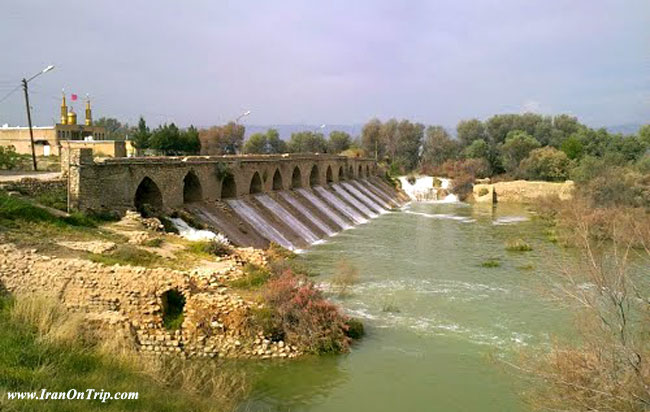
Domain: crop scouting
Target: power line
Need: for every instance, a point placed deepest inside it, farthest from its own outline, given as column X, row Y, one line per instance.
column 6, row 96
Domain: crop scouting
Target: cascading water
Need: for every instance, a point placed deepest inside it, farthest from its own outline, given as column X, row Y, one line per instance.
column 380, row 192
column 307, row 213
column 425, row 189
column 249, row 214
column 380, row 202
column 361, row 196
column 341, row 206
column 284, row 215
column 356, row 202
column 323, row 207
column 188, row 232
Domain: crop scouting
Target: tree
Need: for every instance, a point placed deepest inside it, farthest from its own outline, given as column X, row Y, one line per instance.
column 371, row 140
column 470, row 130
column 546, row 163
column 276, row 145
column 573, row 147
column 115, row 130
column 338, row 142
column 226, row 139
column 189, row 141
column 479, row 149
column 166, row 139
column 644, row 135
column 307, row 142
column 140, row 137
column 389, row 136
column 438, row 147
column 516, row 148
column 410, row 137
column 256, row 143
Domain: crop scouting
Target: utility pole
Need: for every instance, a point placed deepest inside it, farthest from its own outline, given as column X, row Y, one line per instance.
column 29, row 122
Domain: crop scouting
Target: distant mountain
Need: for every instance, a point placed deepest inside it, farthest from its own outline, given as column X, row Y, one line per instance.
column 631, row 128
column 285, row 130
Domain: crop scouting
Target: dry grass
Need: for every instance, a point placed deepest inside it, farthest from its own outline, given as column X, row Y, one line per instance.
column 346, row 275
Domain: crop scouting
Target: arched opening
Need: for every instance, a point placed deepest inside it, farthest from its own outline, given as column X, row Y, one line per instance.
column 256, row 184
column 148, row 196
column 350, row 172
column 296, row 178
column 341, row 173
column 277, row 180
column 367, row 170
column 192, row 191
column 228, row 187
column 328, row 175
column 314, row 176
column 360, row 172
column 173, row 303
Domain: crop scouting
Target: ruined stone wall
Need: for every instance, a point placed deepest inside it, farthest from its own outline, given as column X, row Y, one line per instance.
column 521, row 191
column 112, row 183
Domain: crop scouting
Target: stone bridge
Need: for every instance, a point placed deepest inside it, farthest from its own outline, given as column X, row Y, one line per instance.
column 169, row 182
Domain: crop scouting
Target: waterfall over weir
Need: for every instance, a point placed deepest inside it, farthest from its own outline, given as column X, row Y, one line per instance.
column 297, row 218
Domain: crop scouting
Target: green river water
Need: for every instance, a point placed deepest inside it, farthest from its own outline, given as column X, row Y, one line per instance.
column 451, row 319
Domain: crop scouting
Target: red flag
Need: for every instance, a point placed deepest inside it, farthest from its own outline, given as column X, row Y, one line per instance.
column 73, row 97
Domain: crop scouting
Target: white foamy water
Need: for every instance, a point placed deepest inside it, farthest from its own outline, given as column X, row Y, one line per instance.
column 250, row 215
column 339, row 205
column 307, row 213
column 284, row 215
column 357, row 203
column 508, row 220
column 444, row 216
column 188, row 232
column 381, row 203
column 422, row 190
column 323, row 207
column 363, row 197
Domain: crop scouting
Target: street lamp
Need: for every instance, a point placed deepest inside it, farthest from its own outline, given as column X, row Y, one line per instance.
column 246, row 113
column 319, row 128
column 29, row 114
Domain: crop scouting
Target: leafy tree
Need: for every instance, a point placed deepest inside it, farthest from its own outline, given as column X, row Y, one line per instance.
column 410, row 137
column 276, row 145
column 8, row 157
column 256, row 143
column 438, row 147
column 115, row 130
column 141, row 135
column 226, row 139
column 338, row 142
column 644, row 135
column 516, row 148
column 389, row 136
column 470, row 130
column 479, row 149
column 190, row 142
column 573, row 147
column 307, row 142
column 564, row 126
column 546, row 163
column 166, row 139
column 371, row 140
column 499, row 126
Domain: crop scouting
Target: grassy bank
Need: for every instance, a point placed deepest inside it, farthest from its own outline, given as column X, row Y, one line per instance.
column 43, row 346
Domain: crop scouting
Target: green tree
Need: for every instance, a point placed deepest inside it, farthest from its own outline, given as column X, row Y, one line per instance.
column 190, row 143
column 141, row 135
column 410, row 136
column 371, row 140
column 546, row 163
column 573, row 147
column 438, row 147
column 307, row 142
column 226, row 139
column 256, row 143
column 389, row 136
column 115, row 130
column 276, row 145
column 479, row 149
column 469, row 131
column 338, row 142
column 166, row 139
column 644, row 135
column 516, row 148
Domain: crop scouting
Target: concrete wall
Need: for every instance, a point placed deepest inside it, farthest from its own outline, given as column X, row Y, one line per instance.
column 521, row 191
column 112, row 183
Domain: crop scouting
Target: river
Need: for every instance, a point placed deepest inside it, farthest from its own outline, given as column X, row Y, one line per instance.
column 437, row 321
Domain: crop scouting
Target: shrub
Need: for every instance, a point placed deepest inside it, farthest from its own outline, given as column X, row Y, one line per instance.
column 355, row 329
column 215, row 247
column 517, row 146
column 483, row 191
column 390, row 307
column 464, row 173
column 345, row 276
column 546, row 163
column 491, row 263
column 126, row 254
column 254, row 277
column 518, row 245
column 155, row 242
column 307, row 319
column 411, row 179
column 8, row 157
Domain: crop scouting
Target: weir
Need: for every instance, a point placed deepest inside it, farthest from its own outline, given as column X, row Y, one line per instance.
column 292, row 200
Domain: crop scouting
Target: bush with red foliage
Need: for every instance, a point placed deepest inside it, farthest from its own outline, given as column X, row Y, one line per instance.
column 303, row 315
column 463, row 173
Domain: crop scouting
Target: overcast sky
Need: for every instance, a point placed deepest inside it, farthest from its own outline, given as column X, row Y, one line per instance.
column 335, row 62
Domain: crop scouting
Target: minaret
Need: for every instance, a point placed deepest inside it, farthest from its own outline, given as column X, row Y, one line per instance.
column 89, row 114
column 64, row 109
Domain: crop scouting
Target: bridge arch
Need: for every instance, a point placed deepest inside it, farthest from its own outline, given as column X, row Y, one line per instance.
column 360, row 172
column 329, row 178
column 228, row 187
column 192, row 190
column 367, row 170
column 350, row 172
column 277, row 180
column 256, row 184
column 341, row 173
column 296, row 178
column 314, row 176
column 148, row 195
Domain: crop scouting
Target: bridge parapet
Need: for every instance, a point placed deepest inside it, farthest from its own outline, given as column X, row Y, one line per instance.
column 169, row 182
